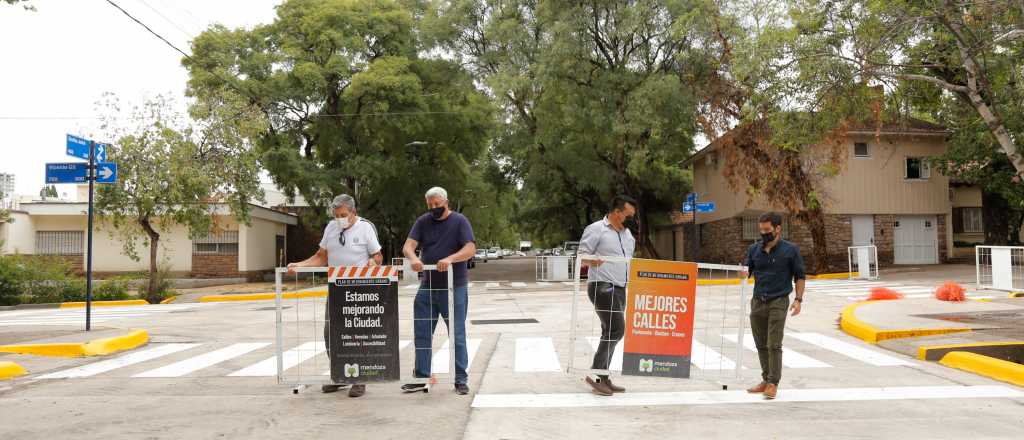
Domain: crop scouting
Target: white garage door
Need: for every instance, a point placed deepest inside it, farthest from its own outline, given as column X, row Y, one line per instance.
column 916, row 240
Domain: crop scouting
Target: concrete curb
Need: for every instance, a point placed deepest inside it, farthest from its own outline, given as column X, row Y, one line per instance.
column 169, row 300
column 261, row 296
column 833, row 276
column 98, row 347
column 127, row 302
column 853, row 326
column 937, row 352
column 10, row 370
column 998, row 369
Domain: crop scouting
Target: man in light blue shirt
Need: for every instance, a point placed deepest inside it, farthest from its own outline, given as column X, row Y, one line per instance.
column 606, row 283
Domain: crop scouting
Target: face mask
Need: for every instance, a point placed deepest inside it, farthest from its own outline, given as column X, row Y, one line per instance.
column 630, row 222
column 767, row 237
column 343, row 222
column 437, row 213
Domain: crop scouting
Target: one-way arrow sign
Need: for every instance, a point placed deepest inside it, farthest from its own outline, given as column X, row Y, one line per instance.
column 76, row 172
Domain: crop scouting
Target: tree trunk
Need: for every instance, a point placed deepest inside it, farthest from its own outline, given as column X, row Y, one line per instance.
column 995, row 217
column 154, row 241
column 815, row 221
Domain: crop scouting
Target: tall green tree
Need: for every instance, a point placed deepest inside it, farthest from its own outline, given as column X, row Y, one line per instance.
column 595, row 97
column 175, row 172
column 353, row 105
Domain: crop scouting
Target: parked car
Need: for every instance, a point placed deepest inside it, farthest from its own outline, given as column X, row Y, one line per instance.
column 493, row 254
column 481, row 254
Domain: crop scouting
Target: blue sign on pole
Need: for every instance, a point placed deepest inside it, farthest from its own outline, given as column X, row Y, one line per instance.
column 77, row 172
column 687, row 207
column 691, row 198
column 706, row 207
column 79, row 147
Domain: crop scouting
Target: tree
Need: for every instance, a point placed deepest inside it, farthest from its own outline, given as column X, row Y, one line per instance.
column 174, row 172
column 27, row 6
column 352, row 106
column 48, row 191
column 595, row 99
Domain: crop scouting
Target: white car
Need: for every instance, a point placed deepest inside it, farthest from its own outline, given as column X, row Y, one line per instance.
column 481, row 255
column 493, row 254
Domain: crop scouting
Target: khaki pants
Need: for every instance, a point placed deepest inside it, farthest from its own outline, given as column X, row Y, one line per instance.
column 767, row 321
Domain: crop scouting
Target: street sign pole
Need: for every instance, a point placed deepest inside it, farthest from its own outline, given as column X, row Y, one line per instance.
column 91, row 177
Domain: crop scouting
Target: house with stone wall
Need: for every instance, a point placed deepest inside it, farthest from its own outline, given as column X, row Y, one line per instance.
column 884, row 194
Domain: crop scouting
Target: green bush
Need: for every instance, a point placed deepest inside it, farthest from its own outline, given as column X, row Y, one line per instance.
column 37, row 279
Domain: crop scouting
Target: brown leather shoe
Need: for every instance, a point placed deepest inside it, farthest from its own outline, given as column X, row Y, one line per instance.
column 611, row 386
column 759, row 388
column 597, row 387
column 770, row 391
column 357, row 390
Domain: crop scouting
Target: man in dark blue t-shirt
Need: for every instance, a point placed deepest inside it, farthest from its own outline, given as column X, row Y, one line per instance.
column 446, row 239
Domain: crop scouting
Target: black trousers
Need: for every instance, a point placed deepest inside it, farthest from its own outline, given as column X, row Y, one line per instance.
column 610, row 305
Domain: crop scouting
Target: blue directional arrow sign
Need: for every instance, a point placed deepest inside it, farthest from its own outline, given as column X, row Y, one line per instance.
column 76, row 172
column 79, row 147
column 706, row 207
column 687, row 207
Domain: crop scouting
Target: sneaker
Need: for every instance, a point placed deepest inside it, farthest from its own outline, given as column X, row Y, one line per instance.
column 414, row 388
column 357, row 390
column 462, row 389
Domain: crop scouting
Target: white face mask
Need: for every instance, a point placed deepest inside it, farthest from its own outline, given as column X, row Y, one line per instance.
column 343, row 222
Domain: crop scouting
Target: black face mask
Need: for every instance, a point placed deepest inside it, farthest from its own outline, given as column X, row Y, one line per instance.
column 437, row 213
column 630, row 222
column 767, row 237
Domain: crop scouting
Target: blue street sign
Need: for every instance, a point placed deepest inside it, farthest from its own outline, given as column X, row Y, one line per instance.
column 687, row 207
column 79, row 147
column 706, row 207
column 691, row 198
column 76, row 172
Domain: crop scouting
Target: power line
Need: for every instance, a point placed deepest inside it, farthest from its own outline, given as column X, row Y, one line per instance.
column 172, row 23
column 187, row 56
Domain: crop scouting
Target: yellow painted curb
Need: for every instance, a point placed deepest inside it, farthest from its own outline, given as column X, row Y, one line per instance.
column 998, row 369
column 922, row 352
column 98, row 347
column 169, row 300
column 127, row 302
column 1016, row 294
column 262, row 296
column 10, row 370
column 833, row 276
column 855, row 327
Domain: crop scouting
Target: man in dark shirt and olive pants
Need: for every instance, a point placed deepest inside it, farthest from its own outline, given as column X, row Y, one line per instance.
column 775, row 264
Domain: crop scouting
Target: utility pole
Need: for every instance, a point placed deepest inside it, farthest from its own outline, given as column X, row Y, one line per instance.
column 91, row 177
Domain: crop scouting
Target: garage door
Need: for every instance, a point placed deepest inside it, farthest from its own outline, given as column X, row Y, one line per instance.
column 916, row 240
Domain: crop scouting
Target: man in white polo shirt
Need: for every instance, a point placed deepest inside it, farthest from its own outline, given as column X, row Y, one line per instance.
column 349, row 240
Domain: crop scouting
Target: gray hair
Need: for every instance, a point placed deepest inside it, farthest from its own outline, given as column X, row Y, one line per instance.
column 437, row 191
column 344, row 200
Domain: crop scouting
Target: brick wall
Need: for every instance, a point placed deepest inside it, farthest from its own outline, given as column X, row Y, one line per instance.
column 214, row 266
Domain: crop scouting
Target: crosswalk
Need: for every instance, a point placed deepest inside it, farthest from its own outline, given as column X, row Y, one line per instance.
column 531, row 355
column 53, row 317
column 858, row 290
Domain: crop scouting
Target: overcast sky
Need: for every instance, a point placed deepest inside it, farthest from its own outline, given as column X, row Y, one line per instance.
column 59, row 59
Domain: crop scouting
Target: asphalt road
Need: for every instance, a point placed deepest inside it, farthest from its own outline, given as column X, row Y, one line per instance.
column 208, row 372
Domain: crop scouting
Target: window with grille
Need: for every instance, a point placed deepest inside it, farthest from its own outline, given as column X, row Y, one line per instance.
column 224, row 243
column 917, row 168
column 972, row 220
column 59, row 242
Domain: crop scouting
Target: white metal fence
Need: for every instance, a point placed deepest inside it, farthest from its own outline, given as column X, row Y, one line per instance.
column 720, row 335
column 862, row 262
column 554, row 267
column 302, row 320
column 999, row 267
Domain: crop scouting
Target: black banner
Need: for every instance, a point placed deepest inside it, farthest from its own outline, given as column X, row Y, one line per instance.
column 363, row 344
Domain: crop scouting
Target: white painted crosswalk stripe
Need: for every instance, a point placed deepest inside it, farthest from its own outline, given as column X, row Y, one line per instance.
column 704, row 358
column 543, row 283
column 790, row 358
column 616, row 361
column 77, row 315
column 536, row 354
column 119, row 362
column 492, row 285
column 582, row 400
column 849, row 350
column 439, row 364
column 517, row 284
column 204, row 360
column 293, row 357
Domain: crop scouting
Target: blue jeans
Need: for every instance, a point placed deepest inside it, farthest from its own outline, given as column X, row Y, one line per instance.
column 426, row 308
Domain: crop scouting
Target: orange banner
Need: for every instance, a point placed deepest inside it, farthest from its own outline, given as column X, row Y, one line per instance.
column 660, row 298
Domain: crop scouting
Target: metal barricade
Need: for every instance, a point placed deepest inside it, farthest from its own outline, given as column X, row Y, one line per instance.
column 303, row 336
column 862, row 262
column 999, row 267
column 719, row 338
column 554, row 267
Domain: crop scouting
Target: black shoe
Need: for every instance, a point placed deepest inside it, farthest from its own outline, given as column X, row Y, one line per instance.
column 462, row 389
column 357, row 391
column 414, row 388
column 330, row 388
